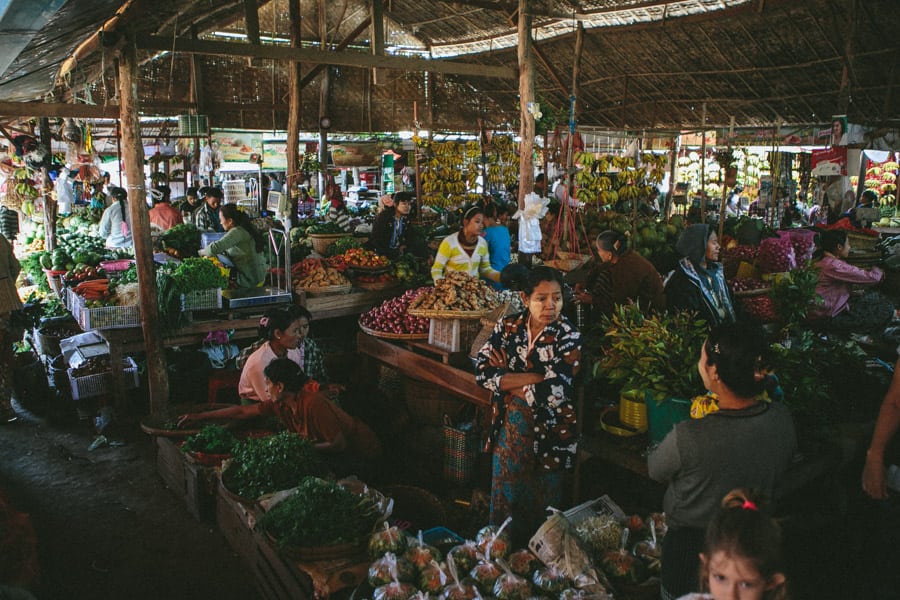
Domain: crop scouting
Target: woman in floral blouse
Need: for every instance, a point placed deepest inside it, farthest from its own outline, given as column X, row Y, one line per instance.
column 530, row 363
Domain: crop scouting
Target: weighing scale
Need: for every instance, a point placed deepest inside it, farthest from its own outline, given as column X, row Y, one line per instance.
column 278, row 293
column 256, row 297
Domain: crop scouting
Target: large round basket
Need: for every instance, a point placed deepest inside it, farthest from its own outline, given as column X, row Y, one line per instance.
column 321, row 241
column 331, row 552
column 165, row 427
column 327, row 290
column 449, row 314
column 388, row 335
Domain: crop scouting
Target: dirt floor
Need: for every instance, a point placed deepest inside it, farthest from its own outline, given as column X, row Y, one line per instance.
column 106, row 526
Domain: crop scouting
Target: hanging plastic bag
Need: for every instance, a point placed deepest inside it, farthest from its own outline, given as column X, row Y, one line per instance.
column 529, row 223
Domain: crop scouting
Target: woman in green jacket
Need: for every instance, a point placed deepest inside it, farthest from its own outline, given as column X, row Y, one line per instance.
column 242, row 244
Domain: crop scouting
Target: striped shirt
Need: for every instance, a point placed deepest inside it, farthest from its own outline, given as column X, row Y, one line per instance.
column 452, row 257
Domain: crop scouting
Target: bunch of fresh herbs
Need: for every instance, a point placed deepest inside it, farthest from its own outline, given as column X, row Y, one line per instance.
column 320, row 513
column 212, row 439
column 276, row 462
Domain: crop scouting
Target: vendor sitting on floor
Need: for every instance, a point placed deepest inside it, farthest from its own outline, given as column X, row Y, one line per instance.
column 869, row 313
column 283, row 333
column 296, row 400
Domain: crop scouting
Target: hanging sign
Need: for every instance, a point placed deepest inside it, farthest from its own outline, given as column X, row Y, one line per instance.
column 831, row 161
column 238, row 146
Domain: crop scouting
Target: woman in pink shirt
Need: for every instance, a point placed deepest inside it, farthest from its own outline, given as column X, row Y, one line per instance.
column 868, row 313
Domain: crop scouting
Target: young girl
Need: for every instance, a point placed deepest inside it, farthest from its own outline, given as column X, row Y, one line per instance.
column 742, row 558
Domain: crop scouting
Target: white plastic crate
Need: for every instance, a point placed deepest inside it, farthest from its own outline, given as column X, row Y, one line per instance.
column 210, row 299
column 453, row 335
column 99, row 383
column 105, row 317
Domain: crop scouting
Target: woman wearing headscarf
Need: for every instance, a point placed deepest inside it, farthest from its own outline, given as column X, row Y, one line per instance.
column 698, row 282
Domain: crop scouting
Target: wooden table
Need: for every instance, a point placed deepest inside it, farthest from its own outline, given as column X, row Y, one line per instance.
column 243, row 324
column 419, row 366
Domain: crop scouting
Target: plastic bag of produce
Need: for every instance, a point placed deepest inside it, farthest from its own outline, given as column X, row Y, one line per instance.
column 557, row 545
column 776, row 255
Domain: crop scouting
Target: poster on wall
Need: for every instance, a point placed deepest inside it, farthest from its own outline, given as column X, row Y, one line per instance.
column 275, row 156
column 238, row 146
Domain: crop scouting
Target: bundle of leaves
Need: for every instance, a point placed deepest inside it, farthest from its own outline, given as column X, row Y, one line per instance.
column 794, row 296
column 320, row 513
column 212, row 439
column 269, row 464
column 343, row 244
column 173, row 281
column 813, row 374
column 657, row 353
column 185, row 238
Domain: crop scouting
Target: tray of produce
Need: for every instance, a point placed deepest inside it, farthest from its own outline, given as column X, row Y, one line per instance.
column 322, row 520
column 456, row 296
column 390, row 320
column 261, row 466
column 364, row 262
column 168, row 426
column 210, row 447
column 313, row 277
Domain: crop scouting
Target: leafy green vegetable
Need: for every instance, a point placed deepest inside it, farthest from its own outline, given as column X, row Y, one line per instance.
column 343, row 244
column 185, row 238
column 320, row 513
column 277, row 462
column 213, row 439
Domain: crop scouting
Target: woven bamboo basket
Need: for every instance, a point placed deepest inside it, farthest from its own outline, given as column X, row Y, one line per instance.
column 321, row 241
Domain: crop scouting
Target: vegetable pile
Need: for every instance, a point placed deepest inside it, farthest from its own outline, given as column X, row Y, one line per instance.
column 212, row 439
column 264, row 465
column 320, row 513
column 183, row 240
column 776, row 255
column 457, row 291
column 392, row 316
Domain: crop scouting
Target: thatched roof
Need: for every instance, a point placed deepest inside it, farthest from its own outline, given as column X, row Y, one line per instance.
column 646, row 64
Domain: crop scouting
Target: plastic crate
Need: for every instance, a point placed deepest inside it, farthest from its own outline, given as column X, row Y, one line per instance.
column 99, row 383
column 210, row 299
column 453, row 335
column 105, row 317
column 208, row 237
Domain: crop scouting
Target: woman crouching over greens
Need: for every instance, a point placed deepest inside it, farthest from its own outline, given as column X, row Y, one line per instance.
column 530, row 363
column 347, row 442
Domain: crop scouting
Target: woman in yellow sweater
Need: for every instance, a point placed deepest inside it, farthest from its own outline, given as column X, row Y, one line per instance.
column 466, row 250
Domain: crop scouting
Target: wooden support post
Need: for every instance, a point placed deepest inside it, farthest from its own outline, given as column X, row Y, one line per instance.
column 526, row 95
column 567, row 212
column 324, row 90
column 46, row 186
column 133, row 152
column 294, row 103
column 251, row 18
column 376, row 10
column 673, row 166
column 703, row 165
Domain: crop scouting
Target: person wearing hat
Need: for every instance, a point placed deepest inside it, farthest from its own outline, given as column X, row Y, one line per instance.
column 114, row 222
column 698, row 282
column 206, row 218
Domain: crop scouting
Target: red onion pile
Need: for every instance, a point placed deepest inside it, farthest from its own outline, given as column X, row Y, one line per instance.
column 391, row 315
column 776, row 255
column 760, row 308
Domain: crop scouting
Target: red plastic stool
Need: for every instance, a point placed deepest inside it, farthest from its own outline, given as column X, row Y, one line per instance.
column 221, row 379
